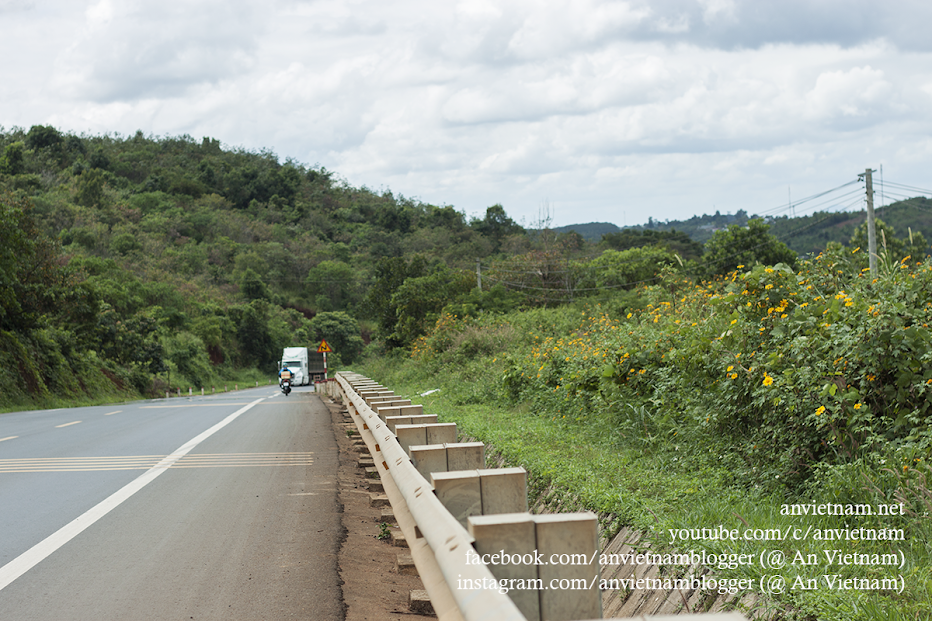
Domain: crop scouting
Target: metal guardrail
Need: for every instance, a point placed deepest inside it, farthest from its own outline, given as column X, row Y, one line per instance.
column 445, row 537
column 437, row 540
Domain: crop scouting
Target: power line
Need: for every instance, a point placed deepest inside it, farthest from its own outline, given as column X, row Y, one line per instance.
column 774, row 210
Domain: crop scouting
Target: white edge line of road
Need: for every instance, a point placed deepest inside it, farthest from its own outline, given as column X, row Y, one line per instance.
column 37, row 553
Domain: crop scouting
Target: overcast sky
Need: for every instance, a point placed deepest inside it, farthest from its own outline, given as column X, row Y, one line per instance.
column 589, row 110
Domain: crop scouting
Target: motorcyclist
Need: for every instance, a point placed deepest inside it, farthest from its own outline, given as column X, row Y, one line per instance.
column 285, row 374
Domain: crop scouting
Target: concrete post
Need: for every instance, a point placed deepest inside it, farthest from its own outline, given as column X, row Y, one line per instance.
column 392, row 421
column 429, row 458
column 412, row 435
column 459, row 492
column 560, row 536
column 441, row 433
column 465, row 456
column 384, row 411
column 504, row 490
column 514, row 534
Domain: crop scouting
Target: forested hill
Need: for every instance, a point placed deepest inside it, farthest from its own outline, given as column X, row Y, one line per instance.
column 181, row 261
column 137, row 263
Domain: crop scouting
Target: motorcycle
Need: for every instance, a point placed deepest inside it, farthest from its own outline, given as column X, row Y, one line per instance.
column 286, row 386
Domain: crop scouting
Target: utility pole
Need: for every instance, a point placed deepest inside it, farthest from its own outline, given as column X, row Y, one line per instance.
column 871, row 234
column 479, row 274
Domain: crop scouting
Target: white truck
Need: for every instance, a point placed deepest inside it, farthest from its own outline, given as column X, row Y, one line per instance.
column 295, row 358
column 307, row 367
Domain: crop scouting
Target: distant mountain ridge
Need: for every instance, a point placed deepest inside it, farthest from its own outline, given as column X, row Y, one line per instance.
column 804, row 234
column 592, row 231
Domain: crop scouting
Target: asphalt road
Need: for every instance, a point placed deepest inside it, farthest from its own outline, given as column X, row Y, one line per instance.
column 188, row 508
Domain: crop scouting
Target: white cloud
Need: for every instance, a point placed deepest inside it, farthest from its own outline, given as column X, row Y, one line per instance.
column 666, row 107
column 840, row 95
column 12, row 6
column 156, row 48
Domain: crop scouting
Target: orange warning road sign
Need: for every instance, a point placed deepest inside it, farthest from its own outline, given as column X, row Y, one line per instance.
column 323, row 347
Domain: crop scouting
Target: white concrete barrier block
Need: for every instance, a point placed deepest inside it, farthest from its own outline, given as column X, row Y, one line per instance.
column 504, row 490
column 411, row 435
column 465, row 456
column 379, row 406
column 385, row 411
column 429, row 458
column 570, row 544
column 379, row 397
column 459, row 492
column 393, row 421
column 512, row 534
column 441, row 433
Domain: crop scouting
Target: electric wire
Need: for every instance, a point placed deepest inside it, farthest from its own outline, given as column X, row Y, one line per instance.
column 840, row 205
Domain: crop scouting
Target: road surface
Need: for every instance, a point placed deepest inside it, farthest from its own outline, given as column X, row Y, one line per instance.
column 220, row 507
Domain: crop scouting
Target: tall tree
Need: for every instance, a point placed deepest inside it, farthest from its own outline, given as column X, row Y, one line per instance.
column 737, row 245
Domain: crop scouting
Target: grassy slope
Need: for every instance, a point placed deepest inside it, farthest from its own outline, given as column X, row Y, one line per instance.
column 664, row 451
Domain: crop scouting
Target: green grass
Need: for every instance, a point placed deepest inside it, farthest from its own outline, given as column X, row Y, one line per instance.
column 590, row 462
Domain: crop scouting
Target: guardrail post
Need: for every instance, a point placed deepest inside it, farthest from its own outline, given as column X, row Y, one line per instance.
column 516, row 534
column 460, row 492
column 385, row 411
column 563, row 539
column 431, row 433
column 504, row 490
column 465, row 456
column 441, row 433
column 411, row 435
column 429, row 459
column 393, row 421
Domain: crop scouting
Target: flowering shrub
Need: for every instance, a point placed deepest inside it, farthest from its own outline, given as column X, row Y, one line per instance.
column 787, row 368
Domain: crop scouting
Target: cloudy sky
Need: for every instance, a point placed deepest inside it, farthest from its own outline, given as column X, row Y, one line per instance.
column 585, row 110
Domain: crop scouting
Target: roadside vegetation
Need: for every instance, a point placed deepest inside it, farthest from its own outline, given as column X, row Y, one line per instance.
column 690, row 404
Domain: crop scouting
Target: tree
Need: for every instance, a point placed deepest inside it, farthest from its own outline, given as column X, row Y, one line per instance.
column 677, row 241
column 11, row 162
column 255, row 340
column 32, row 281
column 496, row 226
column 625, row 269
column 333, row 286
column 390, row 274
column 736, row 245
column 90, row 188
column 419, row 301
column 130, row 342
column 252, row 286
column 124, row 243
column 341, row 332
column 187, row 352
column 99, row 159
column 43, row 136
